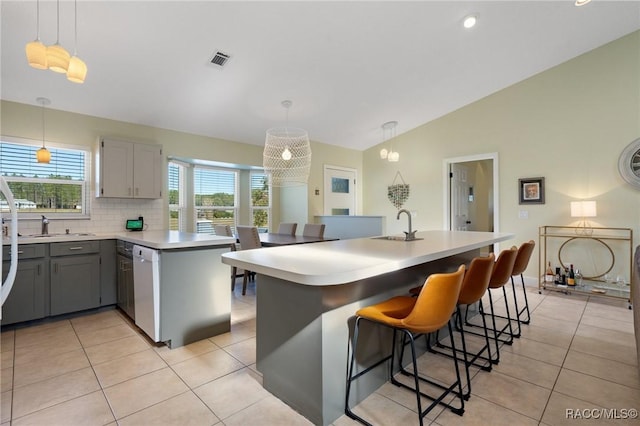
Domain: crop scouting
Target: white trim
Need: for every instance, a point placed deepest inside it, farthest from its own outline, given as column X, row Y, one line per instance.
column 446, row 165
column 324, row 184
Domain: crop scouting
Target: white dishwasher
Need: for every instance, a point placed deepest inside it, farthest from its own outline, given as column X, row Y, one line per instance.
column 146, row 290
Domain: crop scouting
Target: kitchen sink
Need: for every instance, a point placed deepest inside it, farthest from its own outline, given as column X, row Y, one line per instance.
column 75, row 234
column 394, row 238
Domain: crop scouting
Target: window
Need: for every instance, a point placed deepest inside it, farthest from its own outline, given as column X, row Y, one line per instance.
column 260, row 201
column 214, row 198
column 58, row 189
column 177, row 205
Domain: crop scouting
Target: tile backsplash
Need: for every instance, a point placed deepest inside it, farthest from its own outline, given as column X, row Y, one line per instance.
column 108, row 215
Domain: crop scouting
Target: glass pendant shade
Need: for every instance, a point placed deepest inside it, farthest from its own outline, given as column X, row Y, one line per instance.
column 37, row 54
column 77, row 70
column 287, row 156
column 393, row 156
column 384, row 154
column 58, row 58
column 43, row 155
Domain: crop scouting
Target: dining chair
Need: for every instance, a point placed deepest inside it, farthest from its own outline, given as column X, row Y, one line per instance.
column 409, row 316
column 223, row 230
column 313, row 230
column 287, row 228
column 249, row 239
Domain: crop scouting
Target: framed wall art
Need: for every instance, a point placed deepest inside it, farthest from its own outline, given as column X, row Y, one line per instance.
column 531, row 190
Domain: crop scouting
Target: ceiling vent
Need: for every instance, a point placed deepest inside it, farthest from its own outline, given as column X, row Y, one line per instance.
column 220, row 59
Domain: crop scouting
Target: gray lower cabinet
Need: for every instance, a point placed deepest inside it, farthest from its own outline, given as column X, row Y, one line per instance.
column 125, row 286
column 75, row 276
column 27, row 299
column 108, row 273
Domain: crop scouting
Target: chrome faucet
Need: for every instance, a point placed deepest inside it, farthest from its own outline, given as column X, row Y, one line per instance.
column 411, row 235
column 44, row 230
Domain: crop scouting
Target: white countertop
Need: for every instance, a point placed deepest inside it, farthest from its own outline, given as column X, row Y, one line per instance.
column 343, row 261
column 154, row 239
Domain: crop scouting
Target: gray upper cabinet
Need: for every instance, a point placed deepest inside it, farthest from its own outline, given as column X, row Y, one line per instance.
column 128, row 169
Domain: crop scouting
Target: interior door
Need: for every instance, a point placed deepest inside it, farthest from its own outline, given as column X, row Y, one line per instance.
column 339, row 191
column 459, row 197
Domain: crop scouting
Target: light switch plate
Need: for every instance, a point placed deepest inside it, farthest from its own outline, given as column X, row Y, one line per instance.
column 523, row 214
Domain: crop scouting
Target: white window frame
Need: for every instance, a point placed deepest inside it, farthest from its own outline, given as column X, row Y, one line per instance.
column 252, row 207
column 181, row 207
column 85, row 212
column 234, row 208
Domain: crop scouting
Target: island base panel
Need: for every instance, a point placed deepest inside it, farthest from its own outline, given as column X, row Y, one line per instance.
column 303, row 333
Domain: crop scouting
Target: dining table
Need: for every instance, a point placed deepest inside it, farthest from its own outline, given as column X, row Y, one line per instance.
column 273, row 239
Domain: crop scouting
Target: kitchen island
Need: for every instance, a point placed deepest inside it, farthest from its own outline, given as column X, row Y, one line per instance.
column 194, row 295
column 307, row 297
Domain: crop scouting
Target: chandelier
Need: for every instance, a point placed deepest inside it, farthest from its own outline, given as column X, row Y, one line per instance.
column 287, row 154
column 55, row 57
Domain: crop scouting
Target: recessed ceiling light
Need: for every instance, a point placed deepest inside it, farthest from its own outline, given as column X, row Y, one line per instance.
column 469, row 21
column 582, row 2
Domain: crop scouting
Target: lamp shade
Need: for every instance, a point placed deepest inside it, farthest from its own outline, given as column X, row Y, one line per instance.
column 287, row 156
column 58, row 58
column 583, row 209
column 77, row 70
column 43, row 155
column 36, row 54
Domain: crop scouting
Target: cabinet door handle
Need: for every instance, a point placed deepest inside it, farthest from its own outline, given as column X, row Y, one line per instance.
column 137, row 191
column 20, row 251
column 38, row 269
column 76, row 248
column 55, row 268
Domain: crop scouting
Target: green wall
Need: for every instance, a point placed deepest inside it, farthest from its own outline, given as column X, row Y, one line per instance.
column 568, row 124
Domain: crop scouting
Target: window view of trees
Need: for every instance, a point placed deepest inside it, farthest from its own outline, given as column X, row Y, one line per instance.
column 57, row 187
column 39, row 196
column 260, row 200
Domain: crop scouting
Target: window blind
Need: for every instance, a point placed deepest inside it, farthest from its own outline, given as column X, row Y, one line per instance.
column 20, row 160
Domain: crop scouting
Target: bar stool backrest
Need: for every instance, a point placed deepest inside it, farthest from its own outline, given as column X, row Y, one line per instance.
column 435, row 303
column 248, row 236
column 522, row 259
column 503, row 267
column 476, row 279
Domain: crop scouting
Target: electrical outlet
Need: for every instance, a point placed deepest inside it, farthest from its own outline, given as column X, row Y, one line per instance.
column 523, row 214
column 414, row 213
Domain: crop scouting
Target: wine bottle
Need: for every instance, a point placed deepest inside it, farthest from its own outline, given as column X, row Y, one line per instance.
column 558, row 278
column 549, row 275
column 571, row 277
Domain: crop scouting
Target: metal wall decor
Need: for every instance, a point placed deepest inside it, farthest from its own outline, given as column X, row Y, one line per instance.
column 398, row 193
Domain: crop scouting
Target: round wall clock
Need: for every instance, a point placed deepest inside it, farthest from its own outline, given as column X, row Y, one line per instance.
column 629, row 164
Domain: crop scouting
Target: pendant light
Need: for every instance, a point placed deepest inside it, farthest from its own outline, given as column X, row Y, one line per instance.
column 77, row 70
column 43, row 155
column 35, row 50
column 57, row 56
column 287, row 154
column 389, row 155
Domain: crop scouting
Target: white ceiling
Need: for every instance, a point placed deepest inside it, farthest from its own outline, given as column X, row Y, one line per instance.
column 347, row 66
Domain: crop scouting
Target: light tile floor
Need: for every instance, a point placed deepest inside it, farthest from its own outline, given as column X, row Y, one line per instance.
column 98, row 369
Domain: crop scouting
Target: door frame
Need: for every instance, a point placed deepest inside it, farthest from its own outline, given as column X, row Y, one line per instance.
column 446, row 165
column 324, row 185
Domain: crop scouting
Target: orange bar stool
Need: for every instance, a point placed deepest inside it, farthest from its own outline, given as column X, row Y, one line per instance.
column 499, row 278
column 522, row 261
column 474, row 286
column 430, row 311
